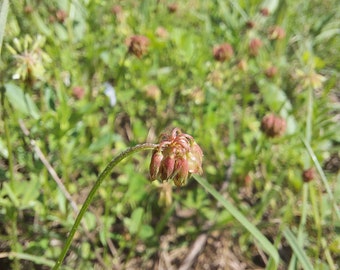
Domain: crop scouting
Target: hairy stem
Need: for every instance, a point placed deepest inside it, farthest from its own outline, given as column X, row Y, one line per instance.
column 90, row 196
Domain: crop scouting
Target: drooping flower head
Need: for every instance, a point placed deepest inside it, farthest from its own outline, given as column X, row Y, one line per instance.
column 176, row 157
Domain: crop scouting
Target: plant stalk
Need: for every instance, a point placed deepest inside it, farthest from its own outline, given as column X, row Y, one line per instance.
column 90, row 196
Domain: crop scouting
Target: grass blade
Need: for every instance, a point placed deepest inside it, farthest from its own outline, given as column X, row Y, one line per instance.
column 263, row 241
column 3, row 19
column 298, row 251
column 29, row 257
column 322, row 176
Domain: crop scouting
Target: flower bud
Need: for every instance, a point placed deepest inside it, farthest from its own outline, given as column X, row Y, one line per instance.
column 181, row 171
column 195, row 159
column 155, row 164
column 167, row 167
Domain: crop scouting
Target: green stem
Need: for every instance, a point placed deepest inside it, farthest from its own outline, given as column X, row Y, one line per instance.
column 121, row 68
column 8, row 139
column 102, row 176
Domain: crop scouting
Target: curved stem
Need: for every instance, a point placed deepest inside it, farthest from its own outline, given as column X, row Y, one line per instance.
column 102, row 176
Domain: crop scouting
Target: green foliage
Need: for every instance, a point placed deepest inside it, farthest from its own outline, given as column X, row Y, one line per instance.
column 72, row 97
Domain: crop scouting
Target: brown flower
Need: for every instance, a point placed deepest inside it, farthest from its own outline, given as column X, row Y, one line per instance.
column 273, row 126
column 276, row 33
column 308, row 175
column 138, row 45
column 223, row 52
column 176, row 157
column 254, row 46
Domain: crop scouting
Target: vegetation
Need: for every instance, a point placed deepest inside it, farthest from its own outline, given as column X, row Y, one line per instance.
column 256, row 83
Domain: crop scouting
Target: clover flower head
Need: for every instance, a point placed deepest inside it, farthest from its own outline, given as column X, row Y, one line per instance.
column 254, row 46
column 223, row 52
column 308, row 175
column 176, row 157
column 273, row 125
column 137, row 45
column 276, row 33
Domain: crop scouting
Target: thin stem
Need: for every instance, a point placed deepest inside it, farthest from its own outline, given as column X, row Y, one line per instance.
column 8, row 140
column 121, row 68
column 90, row 196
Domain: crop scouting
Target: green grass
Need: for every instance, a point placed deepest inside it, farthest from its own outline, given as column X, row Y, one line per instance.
column 58, row 131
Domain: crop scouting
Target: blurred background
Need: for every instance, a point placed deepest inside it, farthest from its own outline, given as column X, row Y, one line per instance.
column 256, row 83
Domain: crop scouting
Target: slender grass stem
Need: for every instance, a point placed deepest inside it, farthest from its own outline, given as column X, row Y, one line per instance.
column 8, row 140
column 90, row 196
column 308, row 138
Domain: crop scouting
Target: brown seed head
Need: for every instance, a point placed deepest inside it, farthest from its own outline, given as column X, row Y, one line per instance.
column 223, row 52
column 138, row 45
column 273, row 126
column 176, row 157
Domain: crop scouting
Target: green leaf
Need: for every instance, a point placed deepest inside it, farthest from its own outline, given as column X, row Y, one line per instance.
column 263, row 241
column 298, row 251
column 21, row 101
column 136, row 220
